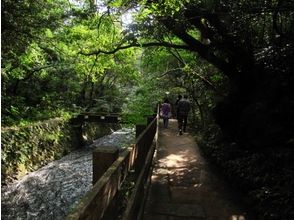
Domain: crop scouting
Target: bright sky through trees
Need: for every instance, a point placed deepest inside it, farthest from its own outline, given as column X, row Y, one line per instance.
column 127, row 18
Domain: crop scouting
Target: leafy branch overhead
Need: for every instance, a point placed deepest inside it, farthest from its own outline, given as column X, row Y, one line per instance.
column 142, row 45
column 233, row 57
column 85, row 54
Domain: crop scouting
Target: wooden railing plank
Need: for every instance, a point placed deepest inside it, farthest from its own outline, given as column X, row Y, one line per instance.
column 134, row 204
column 96, row 201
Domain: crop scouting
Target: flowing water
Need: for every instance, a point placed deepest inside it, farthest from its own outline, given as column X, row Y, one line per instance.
column 52, row 191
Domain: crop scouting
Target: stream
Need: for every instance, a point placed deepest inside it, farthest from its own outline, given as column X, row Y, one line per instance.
column 53, row 190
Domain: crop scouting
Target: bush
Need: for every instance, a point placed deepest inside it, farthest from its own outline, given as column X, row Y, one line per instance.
column 266, row 176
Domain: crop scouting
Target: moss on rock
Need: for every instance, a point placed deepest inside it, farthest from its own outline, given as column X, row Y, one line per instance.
column 26, row 149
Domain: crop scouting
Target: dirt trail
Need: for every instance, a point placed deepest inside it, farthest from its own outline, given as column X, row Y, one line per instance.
column 184, row 187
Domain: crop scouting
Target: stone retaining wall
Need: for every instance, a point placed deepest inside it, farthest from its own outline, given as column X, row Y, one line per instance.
column 26, row 149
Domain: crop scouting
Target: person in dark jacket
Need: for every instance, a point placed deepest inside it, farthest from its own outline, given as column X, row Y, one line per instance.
column 183, row 109
column 176, row 105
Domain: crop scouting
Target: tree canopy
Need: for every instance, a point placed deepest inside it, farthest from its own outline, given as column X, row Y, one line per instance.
column 45, row 74
column 63, row 56
column 250, row 43
column 233, row 57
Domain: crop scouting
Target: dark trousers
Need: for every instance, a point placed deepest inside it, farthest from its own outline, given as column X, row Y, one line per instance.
column 182, row 122
column 165, row 121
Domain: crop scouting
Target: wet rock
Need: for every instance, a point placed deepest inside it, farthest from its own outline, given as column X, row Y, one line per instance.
column 52, row 191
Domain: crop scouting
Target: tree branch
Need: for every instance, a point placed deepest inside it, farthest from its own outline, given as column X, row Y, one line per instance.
column 151, row 44
column 202, row 78
column 205, row 52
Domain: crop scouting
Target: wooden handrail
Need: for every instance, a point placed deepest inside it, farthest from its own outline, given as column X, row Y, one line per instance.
column 138, row 157
column 135, row 204
column 94, row 204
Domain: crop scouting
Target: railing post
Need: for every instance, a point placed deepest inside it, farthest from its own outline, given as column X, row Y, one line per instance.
column 103, row 158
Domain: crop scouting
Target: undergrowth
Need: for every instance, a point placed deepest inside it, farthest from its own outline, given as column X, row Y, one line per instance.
column 265, row 175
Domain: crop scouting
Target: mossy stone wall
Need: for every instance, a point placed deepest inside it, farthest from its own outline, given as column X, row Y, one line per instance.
column 26, row 149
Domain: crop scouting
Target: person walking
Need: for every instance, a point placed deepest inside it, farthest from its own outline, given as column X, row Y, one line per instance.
column 165, row 112
column 183, row 109
column 176, row 105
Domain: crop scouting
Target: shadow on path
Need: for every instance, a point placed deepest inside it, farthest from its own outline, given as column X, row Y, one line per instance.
column 183, row 186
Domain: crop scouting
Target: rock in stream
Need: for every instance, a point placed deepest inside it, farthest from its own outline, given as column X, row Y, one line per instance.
column 52, row 191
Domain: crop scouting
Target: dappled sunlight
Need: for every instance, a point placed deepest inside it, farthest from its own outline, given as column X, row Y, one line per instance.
column 177, row 175
column 162, row 179
column 237, row 217
column 173, row 160
column 181, row 177
column 161, row 171
column 185, row 177
column 180, row 159
column 197, row 185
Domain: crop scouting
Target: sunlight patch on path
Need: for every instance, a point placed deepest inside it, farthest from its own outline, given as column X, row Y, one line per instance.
column 183, row 186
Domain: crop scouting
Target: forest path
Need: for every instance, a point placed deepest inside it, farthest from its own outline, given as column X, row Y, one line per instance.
column 184, row 187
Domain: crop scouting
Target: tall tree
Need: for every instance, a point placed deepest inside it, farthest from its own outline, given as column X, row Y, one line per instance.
column 250, row 42
column 44, row 71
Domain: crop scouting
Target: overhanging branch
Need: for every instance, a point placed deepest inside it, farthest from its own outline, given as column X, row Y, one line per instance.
column 151, row 44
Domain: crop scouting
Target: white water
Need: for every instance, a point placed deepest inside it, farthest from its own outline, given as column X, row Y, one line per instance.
column 52, row 191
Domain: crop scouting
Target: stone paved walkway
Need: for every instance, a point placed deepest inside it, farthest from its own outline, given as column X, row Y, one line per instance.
column 182, row 185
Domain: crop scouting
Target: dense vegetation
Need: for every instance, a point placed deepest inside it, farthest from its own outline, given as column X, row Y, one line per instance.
column 234, row 58
column 45, row 74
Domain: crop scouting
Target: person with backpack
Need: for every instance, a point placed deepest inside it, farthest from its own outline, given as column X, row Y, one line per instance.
column 183, row 109
column 176, row 105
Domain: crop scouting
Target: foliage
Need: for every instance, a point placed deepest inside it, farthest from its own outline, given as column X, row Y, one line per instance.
column 44, row 71
column 266, row 176
column 251, row 45
column 179, row 72
column 142, row 102
column 27, row 148
column 246, row 42
column 234, row 59
column 30, row 147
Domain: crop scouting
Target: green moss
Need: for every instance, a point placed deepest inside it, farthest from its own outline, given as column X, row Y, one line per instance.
column 25, row 149
column 28, row 148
